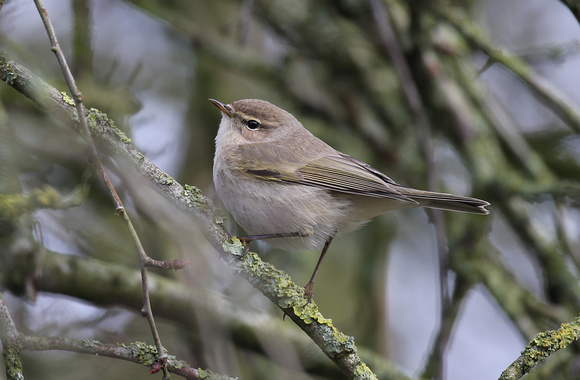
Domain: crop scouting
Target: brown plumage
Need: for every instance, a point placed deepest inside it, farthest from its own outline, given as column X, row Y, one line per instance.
column 284, row 184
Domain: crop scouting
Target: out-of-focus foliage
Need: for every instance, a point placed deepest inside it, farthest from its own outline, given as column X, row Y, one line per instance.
column 417, row 89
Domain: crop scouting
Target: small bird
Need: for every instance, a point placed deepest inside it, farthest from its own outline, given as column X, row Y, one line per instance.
column 284, row 185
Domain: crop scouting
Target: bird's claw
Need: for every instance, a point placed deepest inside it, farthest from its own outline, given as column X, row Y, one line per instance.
column 246, row 244
column 308, row 291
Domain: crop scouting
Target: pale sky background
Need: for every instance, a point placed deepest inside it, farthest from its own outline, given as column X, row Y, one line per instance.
column 484, row 341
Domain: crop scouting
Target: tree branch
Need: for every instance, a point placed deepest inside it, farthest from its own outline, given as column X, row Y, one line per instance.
column 75, row 276
column 542, row 89
column 119, row 208
column 543, row 345
column 11, row 348
column 137, row 352
column 274, row 284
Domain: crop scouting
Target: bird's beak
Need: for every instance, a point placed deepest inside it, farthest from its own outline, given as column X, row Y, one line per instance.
column 225, row 108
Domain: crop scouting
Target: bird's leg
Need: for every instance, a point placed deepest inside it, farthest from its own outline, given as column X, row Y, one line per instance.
column 247, row 239
column 308, row 287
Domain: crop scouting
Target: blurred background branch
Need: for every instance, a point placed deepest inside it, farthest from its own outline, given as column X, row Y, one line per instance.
column 273, row 283
column 501, row 106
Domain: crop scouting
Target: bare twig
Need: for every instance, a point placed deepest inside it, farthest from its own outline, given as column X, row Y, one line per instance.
column 274, row 284
column 391, row 46
column 68, row 274
column 137, row 352
column 168, row 264
column 78, row 100
column 540, row 87
column 13, row 342
column 244, row 20
column 560, row 280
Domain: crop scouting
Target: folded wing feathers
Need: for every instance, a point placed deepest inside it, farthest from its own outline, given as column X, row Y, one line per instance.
column 346, row 174
column 338, row 173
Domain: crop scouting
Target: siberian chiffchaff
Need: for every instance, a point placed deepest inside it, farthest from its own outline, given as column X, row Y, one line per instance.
column 283, row 184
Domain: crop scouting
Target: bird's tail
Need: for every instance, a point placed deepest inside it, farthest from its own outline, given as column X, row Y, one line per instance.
column 445, row 201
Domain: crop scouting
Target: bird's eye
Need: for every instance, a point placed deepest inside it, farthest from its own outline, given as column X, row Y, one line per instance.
column 253, row 125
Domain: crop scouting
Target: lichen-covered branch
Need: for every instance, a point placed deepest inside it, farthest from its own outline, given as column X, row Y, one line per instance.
column 561, row 282
column 543, row 345
column 275, row 284
column 10, row 347
column 540, row 87
column 78, row 99
column 74, row 276
column 136, row 352
column 15, row 205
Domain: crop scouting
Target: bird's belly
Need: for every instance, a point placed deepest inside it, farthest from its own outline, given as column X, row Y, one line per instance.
column 271, row 207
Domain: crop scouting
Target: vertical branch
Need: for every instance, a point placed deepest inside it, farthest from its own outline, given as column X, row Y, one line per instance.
column 245, row 18
column 78, row 99
column 10, row 349
column 82, row 48
column 391, row 46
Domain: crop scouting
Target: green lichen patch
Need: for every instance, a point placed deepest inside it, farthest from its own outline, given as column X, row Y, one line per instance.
column 363, row 372
column 175, row 363
column 194, row 196
column 546, row 343
column 166, row 179
column 14, row 205
column 91, row 342
column 145, row 353
column 233, row 246
column 12, row 363
column 98, row 120
column 67, row 99
column 207, row 374
column 8, row 74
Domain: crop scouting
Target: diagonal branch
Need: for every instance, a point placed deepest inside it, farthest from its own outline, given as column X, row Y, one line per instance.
column 274, row 284
column 389, row 43
column 119, row 208
column 541, row 88
column 137, row 352
column 10, row 346
column 543, row 345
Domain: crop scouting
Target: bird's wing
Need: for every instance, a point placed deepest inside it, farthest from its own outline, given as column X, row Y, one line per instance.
column 335, row 171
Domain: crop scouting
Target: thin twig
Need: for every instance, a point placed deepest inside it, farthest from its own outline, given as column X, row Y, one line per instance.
column 137, row 352
column 68, row 274
column 391, row 46
column 560, row 279
column 541, row 88
column 168, row 264
column 245, row 19
column 78, row 100
column 388, row 42
column 274, row 284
